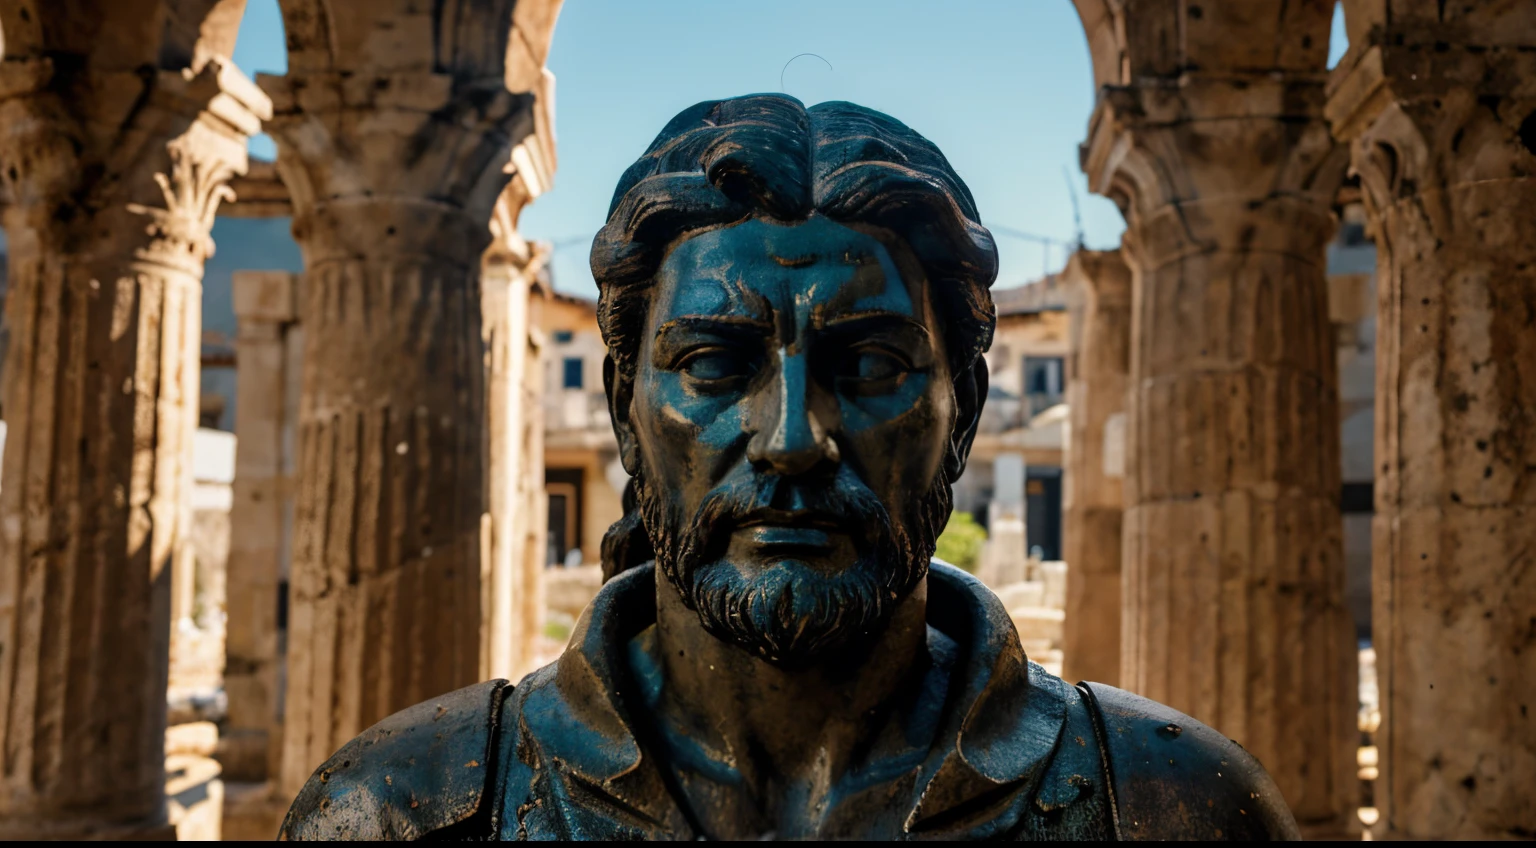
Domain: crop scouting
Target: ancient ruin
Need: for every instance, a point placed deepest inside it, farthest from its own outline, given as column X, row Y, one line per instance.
column 246, row 515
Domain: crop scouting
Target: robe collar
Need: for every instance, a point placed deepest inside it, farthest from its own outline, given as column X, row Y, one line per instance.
column 1004, row 714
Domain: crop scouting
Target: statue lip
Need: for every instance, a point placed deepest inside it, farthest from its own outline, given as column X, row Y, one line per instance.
column 790, row 530
column 800, row 519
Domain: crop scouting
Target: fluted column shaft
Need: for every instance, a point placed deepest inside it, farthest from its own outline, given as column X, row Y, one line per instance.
column 532, row 500
column 511, row 623
column 1439, row 114
column 113, row 181
column 513, row 577
column 1093, row 505
column 1233, row 567
column 393, row 183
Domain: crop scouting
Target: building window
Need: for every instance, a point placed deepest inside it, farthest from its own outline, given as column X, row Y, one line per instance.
column 563, row 336
column 1043, row 382
column 572, row 378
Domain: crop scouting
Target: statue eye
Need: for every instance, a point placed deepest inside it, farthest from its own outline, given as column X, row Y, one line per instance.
column 717, row 364
column 873, row 365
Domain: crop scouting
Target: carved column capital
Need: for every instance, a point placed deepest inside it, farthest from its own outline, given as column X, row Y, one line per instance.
column 180, row 230
column 159, row 144
column 427, row 154
column 1191, row 161
column 1418, row 118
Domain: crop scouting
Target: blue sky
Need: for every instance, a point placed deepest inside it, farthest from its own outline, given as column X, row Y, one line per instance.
column 1003, row 87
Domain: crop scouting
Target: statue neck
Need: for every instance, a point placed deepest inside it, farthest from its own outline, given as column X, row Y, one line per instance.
column 787, row 733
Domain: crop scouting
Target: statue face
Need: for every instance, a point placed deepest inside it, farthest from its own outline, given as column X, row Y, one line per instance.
column 791, row 411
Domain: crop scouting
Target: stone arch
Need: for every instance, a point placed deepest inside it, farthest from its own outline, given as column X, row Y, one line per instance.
column 533, row 28
column 448, row 37
column 123, row 34
column 1104, row 25
column 307, row 32
column 1166, row 38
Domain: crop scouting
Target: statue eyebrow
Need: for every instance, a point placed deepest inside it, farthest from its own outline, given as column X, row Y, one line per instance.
column 726, row 324
column 675, row 336
column 873, row 320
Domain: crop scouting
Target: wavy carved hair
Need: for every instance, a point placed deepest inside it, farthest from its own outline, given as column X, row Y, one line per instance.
column 722, row 162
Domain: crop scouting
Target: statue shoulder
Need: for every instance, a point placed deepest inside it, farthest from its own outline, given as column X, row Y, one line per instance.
column 421, row 770
column 1175, row 778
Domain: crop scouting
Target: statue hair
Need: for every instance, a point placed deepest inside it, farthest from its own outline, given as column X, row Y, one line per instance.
column 722, row 162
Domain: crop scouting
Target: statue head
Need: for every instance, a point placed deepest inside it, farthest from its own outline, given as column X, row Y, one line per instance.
column 795, row 303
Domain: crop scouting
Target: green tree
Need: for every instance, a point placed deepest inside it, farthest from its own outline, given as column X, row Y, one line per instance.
column 960, row 543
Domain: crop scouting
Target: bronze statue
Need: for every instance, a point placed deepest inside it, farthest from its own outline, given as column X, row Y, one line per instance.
column 795, row 303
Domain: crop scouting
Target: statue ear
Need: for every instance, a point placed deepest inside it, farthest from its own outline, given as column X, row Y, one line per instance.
column 970, row 395
column 620, row 391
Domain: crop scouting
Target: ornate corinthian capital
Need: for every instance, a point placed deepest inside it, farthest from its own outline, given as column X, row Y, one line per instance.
column 197, row 182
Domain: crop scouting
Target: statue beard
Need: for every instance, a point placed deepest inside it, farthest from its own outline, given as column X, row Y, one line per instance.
column 790, row 612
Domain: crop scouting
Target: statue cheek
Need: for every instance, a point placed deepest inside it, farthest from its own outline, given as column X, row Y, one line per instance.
column 688, row 422
column 725, row 429
column 692, row 408
column 919, row 417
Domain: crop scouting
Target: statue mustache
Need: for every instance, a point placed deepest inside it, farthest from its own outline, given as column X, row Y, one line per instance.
column 843, row 501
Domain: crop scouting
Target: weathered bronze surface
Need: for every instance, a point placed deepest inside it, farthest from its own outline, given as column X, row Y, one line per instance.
column 795, row 303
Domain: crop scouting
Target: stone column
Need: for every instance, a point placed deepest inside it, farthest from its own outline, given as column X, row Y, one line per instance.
column 1233, row 572
column 1091, row 512
column 511, row 623
column 394, row 177
column 1440, row 112
column 265, row 307
column 113, row 180
column 532, row 497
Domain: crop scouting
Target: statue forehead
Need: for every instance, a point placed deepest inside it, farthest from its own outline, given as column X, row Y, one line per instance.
column 817, row 266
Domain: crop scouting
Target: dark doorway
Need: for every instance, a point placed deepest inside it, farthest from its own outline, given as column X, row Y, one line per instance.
column 1042, row 511
column 563, row 487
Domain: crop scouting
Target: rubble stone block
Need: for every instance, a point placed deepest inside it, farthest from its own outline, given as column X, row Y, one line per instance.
column 1025, row 593
column 1038, row 623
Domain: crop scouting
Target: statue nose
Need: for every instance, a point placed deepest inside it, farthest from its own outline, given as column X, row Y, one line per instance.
column 793, row 438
